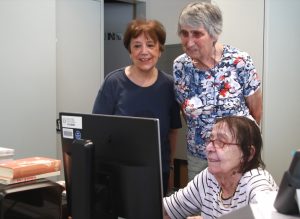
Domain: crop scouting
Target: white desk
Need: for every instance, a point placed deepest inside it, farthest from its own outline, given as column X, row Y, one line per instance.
column 264, row 209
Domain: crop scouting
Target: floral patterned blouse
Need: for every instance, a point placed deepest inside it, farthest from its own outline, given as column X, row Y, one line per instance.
column 217, row 92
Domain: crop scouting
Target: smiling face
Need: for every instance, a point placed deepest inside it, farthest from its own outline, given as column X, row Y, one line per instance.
column 227, row 160
column 144, row 52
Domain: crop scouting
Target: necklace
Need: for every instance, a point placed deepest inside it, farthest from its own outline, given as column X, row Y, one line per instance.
column 225, row 202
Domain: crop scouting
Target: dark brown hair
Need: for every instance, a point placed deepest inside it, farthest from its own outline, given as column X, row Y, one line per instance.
column 247, row 134
column 152, row 28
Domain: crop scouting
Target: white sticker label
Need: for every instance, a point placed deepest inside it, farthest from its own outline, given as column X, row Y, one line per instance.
column 67, row 133
column 74, row 122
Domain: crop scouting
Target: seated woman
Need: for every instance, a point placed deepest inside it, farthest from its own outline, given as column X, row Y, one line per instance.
column 235, row 173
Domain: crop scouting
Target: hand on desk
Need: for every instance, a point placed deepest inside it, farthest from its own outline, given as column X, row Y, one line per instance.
column 195, row 217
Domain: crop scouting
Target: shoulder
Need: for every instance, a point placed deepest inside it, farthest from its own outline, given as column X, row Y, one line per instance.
column 206, row 178
column 114, row 79
column 115, row 75
column 183, row 58
column 259, row 177
column 182, row 63
column 163, row 75
column 165, row 79
column 257, row 172
column 233, row 52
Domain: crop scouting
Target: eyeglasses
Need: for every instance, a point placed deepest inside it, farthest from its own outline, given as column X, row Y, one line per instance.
column 219, row 144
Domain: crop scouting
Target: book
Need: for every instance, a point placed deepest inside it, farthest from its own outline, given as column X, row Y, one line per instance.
column 8, row 181
column 29, row 166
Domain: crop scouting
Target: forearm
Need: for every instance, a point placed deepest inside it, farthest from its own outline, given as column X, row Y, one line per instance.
column 254, row 103
column 166, row 216
column 173, row 141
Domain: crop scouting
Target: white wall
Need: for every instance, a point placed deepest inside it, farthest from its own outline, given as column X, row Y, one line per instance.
column 167, row 12
column 31, row 95
column 79, row 55
column 281, row 121
column 28, row 77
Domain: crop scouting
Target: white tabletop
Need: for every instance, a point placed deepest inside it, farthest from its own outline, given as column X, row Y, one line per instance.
column 263, row 209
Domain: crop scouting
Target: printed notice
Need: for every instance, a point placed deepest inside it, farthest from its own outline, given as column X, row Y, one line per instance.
column 74, row 122
column 67, row 133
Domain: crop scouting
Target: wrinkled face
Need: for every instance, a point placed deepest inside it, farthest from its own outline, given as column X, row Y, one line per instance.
column 224, row 156
column 144, row 52
column 196, row 42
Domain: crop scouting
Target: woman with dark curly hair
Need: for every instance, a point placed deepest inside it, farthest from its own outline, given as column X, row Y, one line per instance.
column 234, row 176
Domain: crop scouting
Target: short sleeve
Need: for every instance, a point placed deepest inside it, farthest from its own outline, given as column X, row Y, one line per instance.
column 250, row 76
column 179, row 83
column 104, row 102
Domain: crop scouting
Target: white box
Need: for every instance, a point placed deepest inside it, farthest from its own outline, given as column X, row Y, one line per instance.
column 6, row 154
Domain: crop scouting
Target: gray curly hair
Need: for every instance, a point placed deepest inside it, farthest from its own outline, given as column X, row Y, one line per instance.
column 202, row 14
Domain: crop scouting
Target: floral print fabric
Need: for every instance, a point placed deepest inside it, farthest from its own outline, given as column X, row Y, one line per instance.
column 217, row 92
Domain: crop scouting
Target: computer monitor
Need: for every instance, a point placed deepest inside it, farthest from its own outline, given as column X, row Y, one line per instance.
column 112, row 166
column 285, row 201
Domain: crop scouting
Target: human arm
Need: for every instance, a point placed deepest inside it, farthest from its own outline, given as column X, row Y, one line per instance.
column 252, row 89
column 173, row 142
column 175, row 124
column 181, row 88
column 165, row 215
column 182, row 113
column 105, row 100
column 188, row 200
column 173, row 133
column 254, row 103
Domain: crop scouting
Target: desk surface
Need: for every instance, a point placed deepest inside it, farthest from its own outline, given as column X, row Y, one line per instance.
column 255, row 212
column 264, row 209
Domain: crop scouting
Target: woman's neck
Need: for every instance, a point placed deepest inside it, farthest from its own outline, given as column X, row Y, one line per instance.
column 141, row 78
column 211, row 59
column 229, row 184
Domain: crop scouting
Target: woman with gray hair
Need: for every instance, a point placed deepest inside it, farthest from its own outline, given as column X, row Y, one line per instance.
column 212, row 79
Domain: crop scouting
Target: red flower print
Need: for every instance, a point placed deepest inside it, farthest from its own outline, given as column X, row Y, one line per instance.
column 225, row 89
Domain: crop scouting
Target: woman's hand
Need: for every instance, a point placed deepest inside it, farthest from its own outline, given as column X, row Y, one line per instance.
column 195, row 217
column 166, row 216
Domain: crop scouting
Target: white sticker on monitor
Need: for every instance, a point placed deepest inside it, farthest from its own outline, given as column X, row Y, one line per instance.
column 67, row 133
column 74, row 122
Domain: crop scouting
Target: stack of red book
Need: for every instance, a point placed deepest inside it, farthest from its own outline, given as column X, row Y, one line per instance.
column 30, row 168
